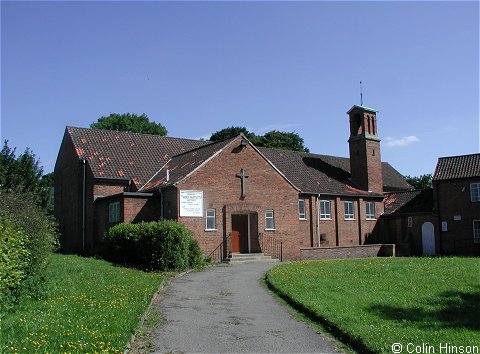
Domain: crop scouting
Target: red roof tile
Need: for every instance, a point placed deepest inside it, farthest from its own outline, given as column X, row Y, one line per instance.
column 113, row 154
column 454, row 167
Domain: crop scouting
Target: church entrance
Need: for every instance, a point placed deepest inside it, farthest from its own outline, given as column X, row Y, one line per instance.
column 244, row 233
column 240, row 233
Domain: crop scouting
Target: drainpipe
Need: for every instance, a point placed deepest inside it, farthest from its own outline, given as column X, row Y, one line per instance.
column 318, row 220
column 360, row 201
column 84, row 204
column 161, row 203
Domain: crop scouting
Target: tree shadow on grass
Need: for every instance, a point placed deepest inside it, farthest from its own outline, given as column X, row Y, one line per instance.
column 451, row 309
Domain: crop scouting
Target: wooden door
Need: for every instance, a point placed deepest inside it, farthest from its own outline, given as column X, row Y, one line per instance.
column 240, row 233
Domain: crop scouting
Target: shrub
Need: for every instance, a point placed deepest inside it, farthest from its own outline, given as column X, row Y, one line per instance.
column 196, row 258
column 121, row 242
column 160, row 245
column 40, row 229
column 14, row 259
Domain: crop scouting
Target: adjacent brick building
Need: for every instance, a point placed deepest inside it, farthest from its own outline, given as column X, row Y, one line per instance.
column 456, row 184
column 229, row 190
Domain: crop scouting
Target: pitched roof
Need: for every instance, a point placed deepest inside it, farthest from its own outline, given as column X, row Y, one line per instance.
column 114, row 154
column 146, row 159
column 179, row 166
column 313, row 173
column 416, row 201
column 454, row 167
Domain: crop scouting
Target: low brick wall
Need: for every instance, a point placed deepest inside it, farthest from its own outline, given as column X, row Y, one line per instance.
column 340, row 252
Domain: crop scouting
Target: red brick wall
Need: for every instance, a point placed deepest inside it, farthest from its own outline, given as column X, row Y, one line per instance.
column 363, row 251
column 68, row 196
column 133, row 208
column 365, row 159
column 408, row 239
column 453, row 198
column 266, row 189
column 69, row 199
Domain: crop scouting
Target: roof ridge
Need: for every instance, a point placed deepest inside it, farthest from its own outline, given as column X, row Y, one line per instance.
column 135, row 133
column 451, row 157
column 206, row 146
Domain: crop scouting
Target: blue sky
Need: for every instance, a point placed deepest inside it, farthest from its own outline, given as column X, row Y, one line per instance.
column 197, row 67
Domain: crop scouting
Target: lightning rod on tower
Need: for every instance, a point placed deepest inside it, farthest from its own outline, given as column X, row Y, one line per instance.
column 361, row 94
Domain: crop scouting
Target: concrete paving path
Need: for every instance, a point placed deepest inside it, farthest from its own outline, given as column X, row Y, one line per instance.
column 224, row 309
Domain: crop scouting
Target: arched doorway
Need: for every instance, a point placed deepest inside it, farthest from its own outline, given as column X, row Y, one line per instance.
column 428, row 239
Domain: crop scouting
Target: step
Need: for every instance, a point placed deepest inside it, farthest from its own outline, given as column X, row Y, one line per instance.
column 238, row 258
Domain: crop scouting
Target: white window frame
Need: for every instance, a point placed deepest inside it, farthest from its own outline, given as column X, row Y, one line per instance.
column 210, row 217
column 349, row 216
column 269, row 215
column 324, row 215
column 475, row 192
column 476, row 231
column 114, row 212
column 370, row 216
column 302, row 216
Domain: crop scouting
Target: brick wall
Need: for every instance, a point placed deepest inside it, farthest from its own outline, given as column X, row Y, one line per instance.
column 343, row 252
column 453, row 202
column 69, row 178
column 266, row 190
column 134, row 207
column 68, row 196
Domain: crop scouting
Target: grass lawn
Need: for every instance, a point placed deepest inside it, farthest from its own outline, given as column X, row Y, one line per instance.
column 373, row 303
column 90, row 306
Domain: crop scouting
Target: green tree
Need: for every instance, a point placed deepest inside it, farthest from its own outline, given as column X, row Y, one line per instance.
column 129, row 122
column 232, row 132
column 420, row 182
column 283, row 140
column 24, row 174
column 274, row 139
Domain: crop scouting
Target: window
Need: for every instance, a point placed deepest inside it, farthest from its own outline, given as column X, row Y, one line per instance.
column 349, row 212
column 114, row 212
column 476, row 231
column 325, row 210
column 269, row 220
column 210, row 220
column 301, row 209
column 370, row 210
column 475, row 192
column 410, row 221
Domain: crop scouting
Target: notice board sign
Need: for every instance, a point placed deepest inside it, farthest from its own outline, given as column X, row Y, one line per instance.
column 191, row 203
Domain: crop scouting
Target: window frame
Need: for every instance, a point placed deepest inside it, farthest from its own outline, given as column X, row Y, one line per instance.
column 267, row 218
column 476, row 231
column 300, row 217
column 326, row 216
column 210, row 217
column 114, row 212
column 367, row 215
column 349, row 216
column 475, row 187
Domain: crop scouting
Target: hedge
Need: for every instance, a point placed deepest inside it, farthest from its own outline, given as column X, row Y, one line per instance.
column 14, row 259
column 158, row 245
column 20, row 214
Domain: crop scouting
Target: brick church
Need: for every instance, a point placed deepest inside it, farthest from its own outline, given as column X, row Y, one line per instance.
column 229, row 192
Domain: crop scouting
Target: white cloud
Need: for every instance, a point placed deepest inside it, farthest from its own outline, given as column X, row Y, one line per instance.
column 403, row 141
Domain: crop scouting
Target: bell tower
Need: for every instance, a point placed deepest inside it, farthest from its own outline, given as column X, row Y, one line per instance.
column 364, row 144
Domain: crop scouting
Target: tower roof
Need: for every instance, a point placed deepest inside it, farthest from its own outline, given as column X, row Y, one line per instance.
column 363, row 108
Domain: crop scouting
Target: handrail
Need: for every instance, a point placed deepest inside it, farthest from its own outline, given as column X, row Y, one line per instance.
column 222, row 251
column 271, row 246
